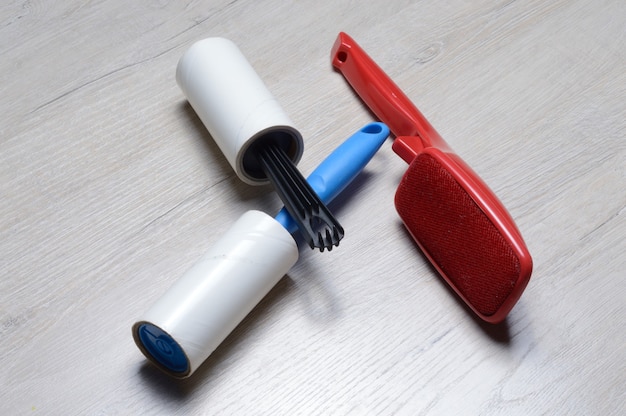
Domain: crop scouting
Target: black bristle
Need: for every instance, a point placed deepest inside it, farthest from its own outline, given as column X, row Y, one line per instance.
column 315, row 221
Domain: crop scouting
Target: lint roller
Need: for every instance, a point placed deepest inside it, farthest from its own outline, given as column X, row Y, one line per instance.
column 194, row 316
column 457, row 221
column 254, row 133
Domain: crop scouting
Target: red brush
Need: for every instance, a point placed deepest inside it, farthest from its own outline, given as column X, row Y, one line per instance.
column 457, row 221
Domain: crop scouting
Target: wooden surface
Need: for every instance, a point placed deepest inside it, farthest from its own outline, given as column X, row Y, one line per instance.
column 110, row 188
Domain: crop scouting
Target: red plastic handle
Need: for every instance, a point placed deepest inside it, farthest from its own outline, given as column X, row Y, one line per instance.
column 383, row 96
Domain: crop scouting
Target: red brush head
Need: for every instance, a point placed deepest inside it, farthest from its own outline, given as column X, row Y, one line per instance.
column 440, row 205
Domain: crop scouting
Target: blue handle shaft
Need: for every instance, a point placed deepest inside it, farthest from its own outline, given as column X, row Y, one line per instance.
column 341, row 166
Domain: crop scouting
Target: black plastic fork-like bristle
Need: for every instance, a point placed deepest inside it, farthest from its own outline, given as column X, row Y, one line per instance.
column 315, row 221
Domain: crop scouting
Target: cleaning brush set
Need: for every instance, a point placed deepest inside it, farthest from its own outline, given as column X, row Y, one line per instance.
column 185, row 325
column 456, row 220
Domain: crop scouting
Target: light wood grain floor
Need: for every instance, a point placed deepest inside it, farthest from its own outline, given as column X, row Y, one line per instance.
column 110, row 188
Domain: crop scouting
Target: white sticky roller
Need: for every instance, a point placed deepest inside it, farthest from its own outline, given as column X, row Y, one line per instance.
column 235, row 105
column 192, row 318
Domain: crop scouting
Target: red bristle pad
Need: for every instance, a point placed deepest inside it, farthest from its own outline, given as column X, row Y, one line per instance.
column 457, row 235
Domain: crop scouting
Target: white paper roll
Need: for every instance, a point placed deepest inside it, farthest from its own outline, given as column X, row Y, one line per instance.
column 193, row 317
column 235, row 105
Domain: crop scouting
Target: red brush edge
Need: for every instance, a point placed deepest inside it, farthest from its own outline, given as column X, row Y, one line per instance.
column 456, row 220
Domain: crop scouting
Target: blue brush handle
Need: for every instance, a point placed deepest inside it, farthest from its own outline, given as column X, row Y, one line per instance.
column 341, row 166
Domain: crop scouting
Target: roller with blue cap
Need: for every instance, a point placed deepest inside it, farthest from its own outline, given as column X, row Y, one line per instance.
column 183, row 327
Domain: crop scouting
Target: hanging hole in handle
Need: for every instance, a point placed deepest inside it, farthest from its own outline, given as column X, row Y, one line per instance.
column 372, row 128
column 342, row 57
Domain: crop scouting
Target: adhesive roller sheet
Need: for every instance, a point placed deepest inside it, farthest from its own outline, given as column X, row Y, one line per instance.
column 253, row 132
column 193, row 317
column 235, row 106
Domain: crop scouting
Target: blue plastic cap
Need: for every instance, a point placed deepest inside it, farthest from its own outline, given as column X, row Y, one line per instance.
column 161, row 348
